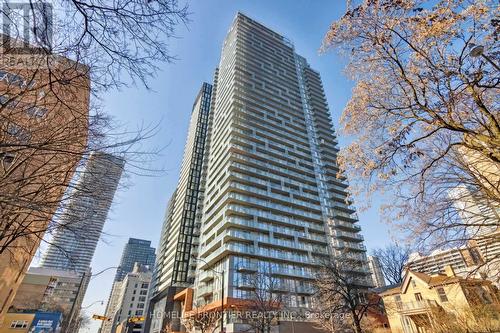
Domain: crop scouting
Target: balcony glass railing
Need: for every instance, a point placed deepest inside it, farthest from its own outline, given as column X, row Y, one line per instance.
column 271, row 216
column 424, row 304
column 342, row 224
column 349, row 235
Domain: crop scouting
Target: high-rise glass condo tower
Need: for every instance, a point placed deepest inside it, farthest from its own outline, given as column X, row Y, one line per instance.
column 272, row 199
column 82, row 220
column 175, row 267
column 135, row 251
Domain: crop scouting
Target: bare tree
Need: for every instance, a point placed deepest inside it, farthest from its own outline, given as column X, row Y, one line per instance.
column 464, row 319
column 424, row 111
column 393, row 259
column 265, row 301
column 341, row 297
column 200, row 320
column 50, row 87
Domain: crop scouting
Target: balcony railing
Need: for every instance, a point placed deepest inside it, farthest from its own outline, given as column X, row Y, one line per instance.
column 423, row 305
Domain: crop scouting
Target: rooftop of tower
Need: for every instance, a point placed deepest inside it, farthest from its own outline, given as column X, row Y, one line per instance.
column 241, row 15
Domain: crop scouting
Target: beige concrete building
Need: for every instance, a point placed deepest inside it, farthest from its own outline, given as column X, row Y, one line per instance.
column 128, row 300
column 52, row 290
column 41, row 114
column 412, row 306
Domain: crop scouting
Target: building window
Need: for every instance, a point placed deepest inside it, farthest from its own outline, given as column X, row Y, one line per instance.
column 418, row 297
column 19, row 324
column 442, row 295
column 140, row 306
column 413, row 283
column 145, row 285
column 138, row 313
column 143, row 292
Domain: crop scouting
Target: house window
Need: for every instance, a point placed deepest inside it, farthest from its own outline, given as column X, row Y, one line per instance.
column 418, row 297
column 413, row 283
column 397, row 299
column 442, row 294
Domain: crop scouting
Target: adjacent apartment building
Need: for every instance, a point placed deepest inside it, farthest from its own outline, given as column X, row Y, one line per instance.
column 40, row 114
column 269, row 197
column 378, row 280
column 128, row 301
column 175, row 267
column 48, row 289
column 480, row 257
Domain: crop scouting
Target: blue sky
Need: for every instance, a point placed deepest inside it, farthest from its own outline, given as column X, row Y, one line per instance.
column 138, row 209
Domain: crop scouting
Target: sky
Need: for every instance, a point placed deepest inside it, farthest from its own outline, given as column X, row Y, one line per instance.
column 139, row 207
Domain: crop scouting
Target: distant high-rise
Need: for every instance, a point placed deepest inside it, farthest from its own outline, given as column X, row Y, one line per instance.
column 269, row 196
column 376, row 270
column 137, row 254
column 128, row 299
column 82, row 220
column 135, row 251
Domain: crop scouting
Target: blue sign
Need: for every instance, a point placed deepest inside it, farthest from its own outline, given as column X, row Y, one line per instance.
column 46, row 322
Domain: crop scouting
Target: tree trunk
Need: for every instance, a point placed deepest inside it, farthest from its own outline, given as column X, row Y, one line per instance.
column 357, row 323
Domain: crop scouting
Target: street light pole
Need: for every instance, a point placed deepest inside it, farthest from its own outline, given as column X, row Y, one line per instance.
column 71, row 319
column 478, row 51
column 222, row 304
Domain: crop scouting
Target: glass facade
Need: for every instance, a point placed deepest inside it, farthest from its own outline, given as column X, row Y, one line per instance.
column 136, row 250
column 273, row 199
column 269, row 196
column 179, row 238
column 82, row 220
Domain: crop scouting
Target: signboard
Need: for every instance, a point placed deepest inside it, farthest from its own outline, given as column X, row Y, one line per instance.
column 46, row 322
column 98, row 317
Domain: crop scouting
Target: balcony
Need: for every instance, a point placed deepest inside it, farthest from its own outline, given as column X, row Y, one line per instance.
column 278, row 271
column 344, row 216
column 344, row 225
column 348, row 236
column 246, row 267
column 305, row 290
column 205, row 291
column 415, row 307
column 206, row 276
column 348, row 245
